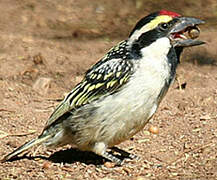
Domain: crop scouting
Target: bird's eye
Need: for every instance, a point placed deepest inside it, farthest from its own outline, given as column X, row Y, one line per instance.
column 164, row 26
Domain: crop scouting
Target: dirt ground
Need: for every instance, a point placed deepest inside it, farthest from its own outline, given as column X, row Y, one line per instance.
column 45, row 48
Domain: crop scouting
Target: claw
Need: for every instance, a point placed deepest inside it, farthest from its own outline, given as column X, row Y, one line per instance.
column 126, row 154
column 112, row 158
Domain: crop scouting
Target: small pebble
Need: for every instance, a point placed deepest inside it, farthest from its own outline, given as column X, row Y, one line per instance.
column 42, row 85
column 46, row 165
column 13, row 144
column 109, row 164
column 154, row 130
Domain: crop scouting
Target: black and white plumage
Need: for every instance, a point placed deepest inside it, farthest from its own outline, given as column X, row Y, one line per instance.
column 122, row 91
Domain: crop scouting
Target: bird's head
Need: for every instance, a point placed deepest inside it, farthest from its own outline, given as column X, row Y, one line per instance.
column 181, row 31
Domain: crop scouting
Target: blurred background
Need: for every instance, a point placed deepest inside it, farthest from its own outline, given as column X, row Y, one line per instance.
column 92, row 19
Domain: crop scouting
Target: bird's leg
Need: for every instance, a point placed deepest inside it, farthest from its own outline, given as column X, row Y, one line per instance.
column 178, row 78
column 100, row 149
column 124, row 153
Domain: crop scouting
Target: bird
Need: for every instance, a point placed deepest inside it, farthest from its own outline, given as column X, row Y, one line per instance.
column 122, row 91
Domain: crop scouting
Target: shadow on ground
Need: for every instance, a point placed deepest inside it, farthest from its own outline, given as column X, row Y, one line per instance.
column 74, row 155
column 71, row 156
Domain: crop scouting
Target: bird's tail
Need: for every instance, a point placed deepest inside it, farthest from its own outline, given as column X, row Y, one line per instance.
column 25, row 146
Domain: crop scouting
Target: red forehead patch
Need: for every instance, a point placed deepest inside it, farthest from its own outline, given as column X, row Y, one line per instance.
column 169, row 13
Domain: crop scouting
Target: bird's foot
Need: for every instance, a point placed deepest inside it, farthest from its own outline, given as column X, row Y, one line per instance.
column 112, row 158
column 125, row 154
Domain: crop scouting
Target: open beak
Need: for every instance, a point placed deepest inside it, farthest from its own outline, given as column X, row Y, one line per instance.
column 185, row 32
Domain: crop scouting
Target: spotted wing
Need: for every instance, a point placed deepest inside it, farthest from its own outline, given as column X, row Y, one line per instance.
column 103, row 79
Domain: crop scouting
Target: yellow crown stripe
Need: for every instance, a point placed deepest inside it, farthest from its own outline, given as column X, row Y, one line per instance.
column 151, row 25
column 159, row 19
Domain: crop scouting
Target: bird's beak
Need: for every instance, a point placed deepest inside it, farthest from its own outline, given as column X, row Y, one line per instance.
column 185, row 31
